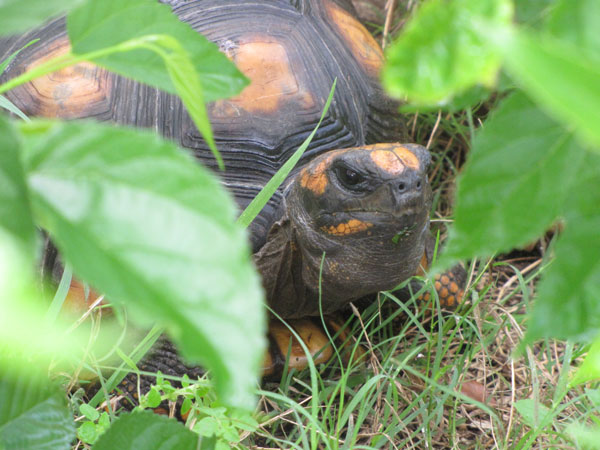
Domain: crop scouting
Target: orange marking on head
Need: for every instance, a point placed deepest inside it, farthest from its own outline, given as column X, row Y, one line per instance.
column 68, row 93
column 387, row 161
column 345, row 228
column 408, row 158
column 315, row 178
column 315, row 181
column 357, row 37
column 265, row 62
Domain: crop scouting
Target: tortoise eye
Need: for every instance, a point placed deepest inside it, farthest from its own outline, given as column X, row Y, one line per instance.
column 349, row 177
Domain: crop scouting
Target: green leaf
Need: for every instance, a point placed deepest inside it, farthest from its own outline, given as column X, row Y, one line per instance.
column 443, row 50
column 560, row 78
column 532, row 12
column 89, row 412
column 33, row 413
column 577, row 22
column 143, row 223
column 589, row 370
column 587, row 437
column 148, row 431
column 99, row 24
column 534, row 414
column 186, row 406
column 19, row 15
column 152, row 398
column 244, row 421
column 15, row 214
column 515, row 183
column 594, row 396
column 23, row 308
column 567, row 304
column 87, row 432
column 104, row 421
column 207, row 427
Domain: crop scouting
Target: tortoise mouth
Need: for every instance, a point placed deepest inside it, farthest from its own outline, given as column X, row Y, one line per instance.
column 371, row 222
column 406, row 214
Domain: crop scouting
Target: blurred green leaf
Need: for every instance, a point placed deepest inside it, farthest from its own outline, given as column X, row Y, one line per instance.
column 587, row 437
column 577, row 22
column 515, row 183
column 99, row 24
column 589, row 370
column 532, row 12
column 89, row 412
column 144, row 223
column 207, row 427
column 19, row 15
column 443, row 50
column 560, row 78
column 15, row 214
column 567, row 305
column 33, row 413
column 152, row 398
column 534, row 414
column 148, row 431
column 87, row 432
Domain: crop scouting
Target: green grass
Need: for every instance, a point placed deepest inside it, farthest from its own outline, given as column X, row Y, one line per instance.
column 407, row 389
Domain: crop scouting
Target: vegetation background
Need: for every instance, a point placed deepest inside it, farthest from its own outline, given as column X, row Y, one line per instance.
column 507, row 94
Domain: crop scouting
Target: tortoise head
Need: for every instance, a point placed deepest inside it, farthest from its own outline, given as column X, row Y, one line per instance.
column 368, row 209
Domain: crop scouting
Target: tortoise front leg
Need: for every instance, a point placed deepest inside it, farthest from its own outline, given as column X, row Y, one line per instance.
column 314, row 337
column 449, row 285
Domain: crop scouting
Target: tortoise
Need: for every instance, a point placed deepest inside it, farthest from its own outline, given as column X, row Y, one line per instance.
column 357, row 195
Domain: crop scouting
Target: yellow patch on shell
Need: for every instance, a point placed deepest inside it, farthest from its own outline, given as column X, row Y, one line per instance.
column 351, row 227
column 265, row 62
column 357, row 37
column 69, row 92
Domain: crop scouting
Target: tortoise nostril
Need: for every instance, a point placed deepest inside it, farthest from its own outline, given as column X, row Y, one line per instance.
column 419, row 184
column 401, row 186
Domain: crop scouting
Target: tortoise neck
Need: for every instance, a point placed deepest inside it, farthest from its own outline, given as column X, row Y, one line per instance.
column 280, row 264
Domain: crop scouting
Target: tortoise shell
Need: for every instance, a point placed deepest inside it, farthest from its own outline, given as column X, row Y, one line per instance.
column 291, row 50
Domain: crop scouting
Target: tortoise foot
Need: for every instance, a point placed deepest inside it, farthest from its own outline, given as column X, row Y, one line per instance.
column 314, row 337
column 450, row 287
